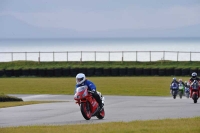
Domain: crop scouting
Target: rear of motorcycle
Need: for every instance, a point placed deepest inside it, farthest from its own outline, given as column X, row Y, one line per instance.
column 174, row 89
column 101, row 113
column 195, row 88
column 181, row 90
column 187, row 92
column 195, row 96
column 174, row 93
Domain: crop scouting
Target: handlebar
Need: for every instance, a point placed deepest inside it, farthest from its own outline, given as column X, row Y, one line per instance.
column 90, row 91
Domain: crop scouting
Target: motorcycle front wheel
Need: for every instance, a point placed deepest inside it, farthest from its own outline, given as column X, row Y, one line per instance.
column 85, row 110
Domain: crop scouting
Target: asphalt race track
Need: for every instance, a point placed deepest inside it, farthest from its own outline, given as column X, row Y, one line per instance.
column 117, row 108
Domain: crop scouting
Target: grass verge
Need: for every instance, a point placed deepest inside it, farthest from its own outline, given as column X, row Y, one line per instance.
column 130, row 86
column 11, row 104
column 182, row 125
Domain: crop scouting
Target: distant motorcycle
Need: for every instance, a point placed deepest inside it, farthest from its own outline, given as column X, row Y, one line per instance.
column 88, row 105
column 195, row 90
column 187, row 91
column 174, row 89
column 180, row 90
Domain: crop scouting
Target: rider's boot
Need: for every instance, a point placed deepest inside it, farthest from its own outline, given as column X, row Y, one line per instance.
column 100, row 103
column 98, row 99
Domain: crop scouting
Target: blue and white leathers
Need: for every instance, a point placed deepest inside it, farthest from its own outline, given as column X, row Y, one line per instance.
column 91, row 86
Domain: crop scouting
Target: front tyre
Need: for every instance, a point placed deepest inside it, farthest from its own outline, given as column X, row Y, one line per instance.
column 85, row 110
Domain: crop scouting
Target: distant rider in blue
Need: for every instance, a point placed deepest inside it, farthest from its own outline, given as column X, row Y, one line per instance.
column 173, row 81
column 82, row 81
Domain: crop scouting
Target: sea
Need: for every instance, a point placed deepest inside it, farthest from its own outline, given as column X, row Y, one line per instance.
column 100, row 49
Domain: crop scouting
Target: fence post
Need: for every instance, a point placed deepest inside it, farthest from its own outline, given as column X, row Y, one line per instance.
column 81, row 58
column 177, row 55
column 136, row 56
column 25, row 56
column 39, row 58
column 53, row 56
column 190, row 55
column 12, row 56
column 95, row 56
column 109, row 56
column 150, row 55
column 122, row 56
column 163, row 55
column 67, row 56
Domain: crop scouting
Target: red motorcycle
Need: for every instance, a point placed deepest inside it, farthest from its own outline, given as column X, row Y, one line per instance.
column 88, row 105
column 194, row 87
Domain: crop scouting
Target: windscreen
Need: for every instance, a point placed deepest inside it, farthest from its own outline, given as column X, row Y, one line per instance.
column 81, row 88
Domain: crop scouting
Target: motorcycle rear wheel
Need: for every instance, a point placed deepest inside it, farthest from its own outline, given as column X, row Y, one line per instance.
column 85, row 110
column 195, row 98
column 180, row 95
column 101, row 114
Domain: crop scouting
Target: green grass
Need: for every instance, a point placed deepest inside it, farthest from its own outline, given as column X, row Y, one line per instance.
column 186, row 125
column 138, row 86
column 98, row 64
column 132, row 86
column 11, row 104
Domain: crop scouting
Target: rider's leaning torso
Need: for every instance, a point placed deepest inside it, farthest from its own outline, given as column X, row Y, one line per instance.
column 91, row 86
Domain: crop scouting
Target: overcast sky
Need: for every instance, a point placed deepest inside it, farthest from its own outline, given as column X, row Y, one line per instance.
column 87, row 17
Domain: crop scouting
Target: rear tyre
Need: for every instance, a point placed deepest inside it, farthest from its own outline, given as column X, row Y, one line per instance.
column 180, row 95
column 101, row 114
column 174, row 94
column 195, row 100
column 85, row 110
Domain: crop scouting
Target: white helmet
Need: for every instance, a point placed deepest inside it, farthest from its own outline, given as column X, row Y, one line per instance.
column 80, row 78
column 194, row 75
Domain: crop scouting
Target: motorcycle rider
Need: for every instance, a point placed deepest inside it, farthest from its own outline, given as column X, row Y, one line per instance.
column 194, row 77
column 81, row 81
column 173, row 81
column 187, row 84
column 181, row 82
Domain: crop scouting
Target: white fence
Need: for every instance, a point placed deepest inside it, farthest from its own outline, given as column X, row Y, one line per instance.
column 100, row 56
